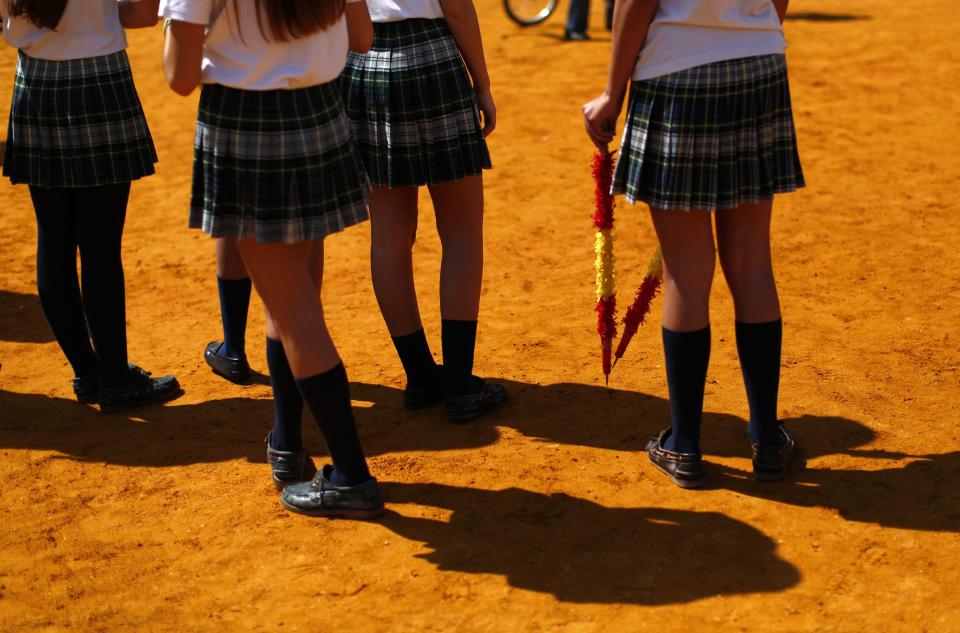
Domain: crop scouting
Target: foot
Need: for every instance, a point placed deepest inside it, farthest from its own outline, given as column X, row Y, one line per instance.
column 770, row 462
column 235, row 370
column 421, row 396
column 683, row 469
column 287, row 466
column 87, row 388
column 489, row 397
column 575, row 36
column 322, row 498
column 141, row 390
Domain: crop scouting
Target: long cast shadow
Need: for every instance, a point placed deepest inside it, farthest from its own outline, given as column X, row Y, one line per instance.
column 21, row 318
column 818, row 16
column 583, row 552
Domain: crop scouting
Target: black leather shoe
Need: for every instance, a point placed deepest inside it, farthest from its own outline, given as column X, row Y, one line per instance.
column 87, row 388
column 425, row 396
column 235, row 370
column 683, row 469
column 320, row 498
column 287, row 466
column 472, row 405
column 770, row 462
column 142, row 390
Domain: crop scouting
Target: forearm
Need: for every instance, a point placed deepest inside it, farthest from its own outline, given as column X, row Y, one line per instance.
column 631, row 21
column 183, row 56
column 781, row 7
column 461, row 17
column 359, row 27
column 136, row 15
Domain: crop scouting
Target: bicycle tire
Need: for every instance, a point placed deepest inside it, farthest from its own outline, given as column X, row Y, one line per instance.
column 524, row 19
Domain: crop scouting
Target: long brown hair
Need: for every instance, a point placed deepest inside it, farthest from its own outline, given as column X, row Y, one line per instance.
column 45, row 14
column 292, row 19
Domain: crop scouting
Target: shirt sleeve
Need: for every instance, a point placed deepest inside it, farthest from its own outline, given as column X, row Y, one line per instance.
column 192, row 11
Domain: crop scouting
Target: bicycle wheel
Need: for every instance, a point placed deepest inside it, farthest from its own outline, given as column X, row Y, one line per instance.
column 529, row 12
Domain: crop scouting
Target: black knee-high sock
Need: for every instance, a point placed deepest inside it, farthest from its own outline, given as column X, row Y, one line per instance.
column 416, row 358
column 287, row 401
column 687, row 356
column 759, row 347
column 100, row 235
column 57, row 282
column 234, row 304
column 459, row 338
column 328, row 397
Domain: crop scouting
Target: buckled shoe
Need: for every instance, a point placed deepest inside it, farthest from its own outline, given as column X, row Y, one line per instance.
column 320, row 497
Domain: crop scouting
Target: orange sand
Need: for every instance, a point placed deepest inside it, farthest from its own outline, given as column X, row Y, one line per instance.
column 546, row 515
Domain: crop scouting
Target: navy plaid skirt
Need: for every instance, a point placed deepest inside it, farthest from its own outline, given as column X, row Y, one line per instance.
column 275, row 165
column 710, row 137
column 412, row 107
column 76, row 123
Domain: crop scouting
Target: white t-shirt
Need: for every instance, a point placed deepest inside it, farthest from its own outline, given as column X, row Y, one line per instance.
column 688, row 33
column 255, row 63
column 88, row 28
column 395, row 10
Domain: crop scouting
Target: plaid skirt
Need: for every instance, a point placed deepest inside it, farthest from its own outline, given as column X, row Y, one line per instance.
column 710, row 137
column 412, row 107
column 275, row 165
column 76, row 123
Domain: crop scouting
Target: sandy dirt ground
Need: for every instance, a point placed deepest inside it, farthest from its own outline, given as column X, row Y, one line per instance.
column 546, row 515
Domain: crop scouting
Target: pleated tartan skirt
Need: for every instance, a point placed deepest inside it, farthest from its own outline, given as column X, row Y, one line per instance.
column 76, row 123
column 711, row 137
column 412, row 106
column 275, row 165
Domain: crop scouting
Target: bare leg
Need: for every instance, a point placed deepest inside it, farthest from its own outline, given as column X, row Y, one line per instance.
column 459, row 211
column 393, row 227
column 229, row 263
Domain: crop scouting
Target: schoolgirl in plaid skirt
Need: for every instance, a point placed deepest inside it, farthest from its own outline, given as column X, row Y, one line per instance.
column 276, row 171
column 78, row 137
column 709, row 136
column 415, row 102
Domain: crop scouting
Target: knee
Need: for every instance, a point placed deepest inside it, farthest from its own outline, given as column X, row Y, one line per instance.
column 398, row 243
column 746, row 269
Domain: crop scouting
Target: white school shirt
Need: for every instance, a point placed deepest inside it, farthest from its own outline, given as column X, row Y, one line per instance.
column 255, row 63
column 688, row 33
column 88, row 28
column 395, row 10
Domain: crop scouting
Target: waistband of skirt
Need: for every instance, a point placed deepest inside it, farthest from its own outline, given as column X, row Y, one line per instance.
column 67, row 69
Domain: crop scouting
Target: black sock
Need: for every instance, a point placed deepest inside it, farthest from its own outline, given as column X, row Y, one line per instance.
column 459, row 339
column 416, row 358
column 287, row 401
column 328, row 397
column 234, row 303
column 687, row 356
column 759, row 347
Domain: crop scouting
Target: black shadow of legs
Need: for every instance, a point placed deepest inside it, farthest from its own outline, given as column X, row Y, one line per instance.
column 583, row 552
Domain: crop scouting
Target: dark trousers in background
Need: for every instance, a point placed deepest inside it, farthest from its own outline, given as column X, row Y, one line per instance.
column 89, row 219
column 579, row 13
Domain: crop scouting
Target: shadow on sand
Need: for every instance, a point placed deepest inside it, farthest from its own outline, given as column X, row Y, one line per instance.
column 21, row 319
column 816, row 16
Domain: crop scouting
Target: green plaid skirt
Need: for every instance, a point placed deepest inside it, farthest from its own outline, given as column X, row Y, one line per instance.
column 412, row 107
column 710, row 137
column 275, row 165
column 76, row 123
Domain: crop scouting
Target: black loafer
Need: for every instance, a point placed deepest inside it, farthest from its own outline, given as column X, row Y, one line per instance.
column 87, row 388
column 235, row 370
column 287, row 466
column 770, row 462
column 472, row 405
column 142, row 390
column 320, row 498
column 419, row 397
column 683, row 469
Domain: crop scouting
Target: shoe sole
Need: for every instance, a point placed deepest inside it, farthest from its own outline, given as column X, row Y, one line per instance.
column 682, row 483
column 342, row 513
column 90, row 398
column 237, row 380
column 280, row 484
column 133, row 404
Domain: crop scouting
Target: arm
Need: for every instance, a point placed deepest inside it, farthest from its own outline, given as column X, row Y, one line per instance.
column 781, row 7
column 631, row 21
column 136, row 14
column 183, row 55
column 461, row 17
column 359, row 27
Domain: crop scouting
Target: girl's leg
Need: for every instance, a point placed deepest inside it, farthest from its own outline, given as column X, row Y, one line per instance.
column 57, row 282
column 459, row 211
column 102, row 212
column 743, row 237
column 686, row 238
column 393, row 225
column 282, row 276
column 233, row 284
